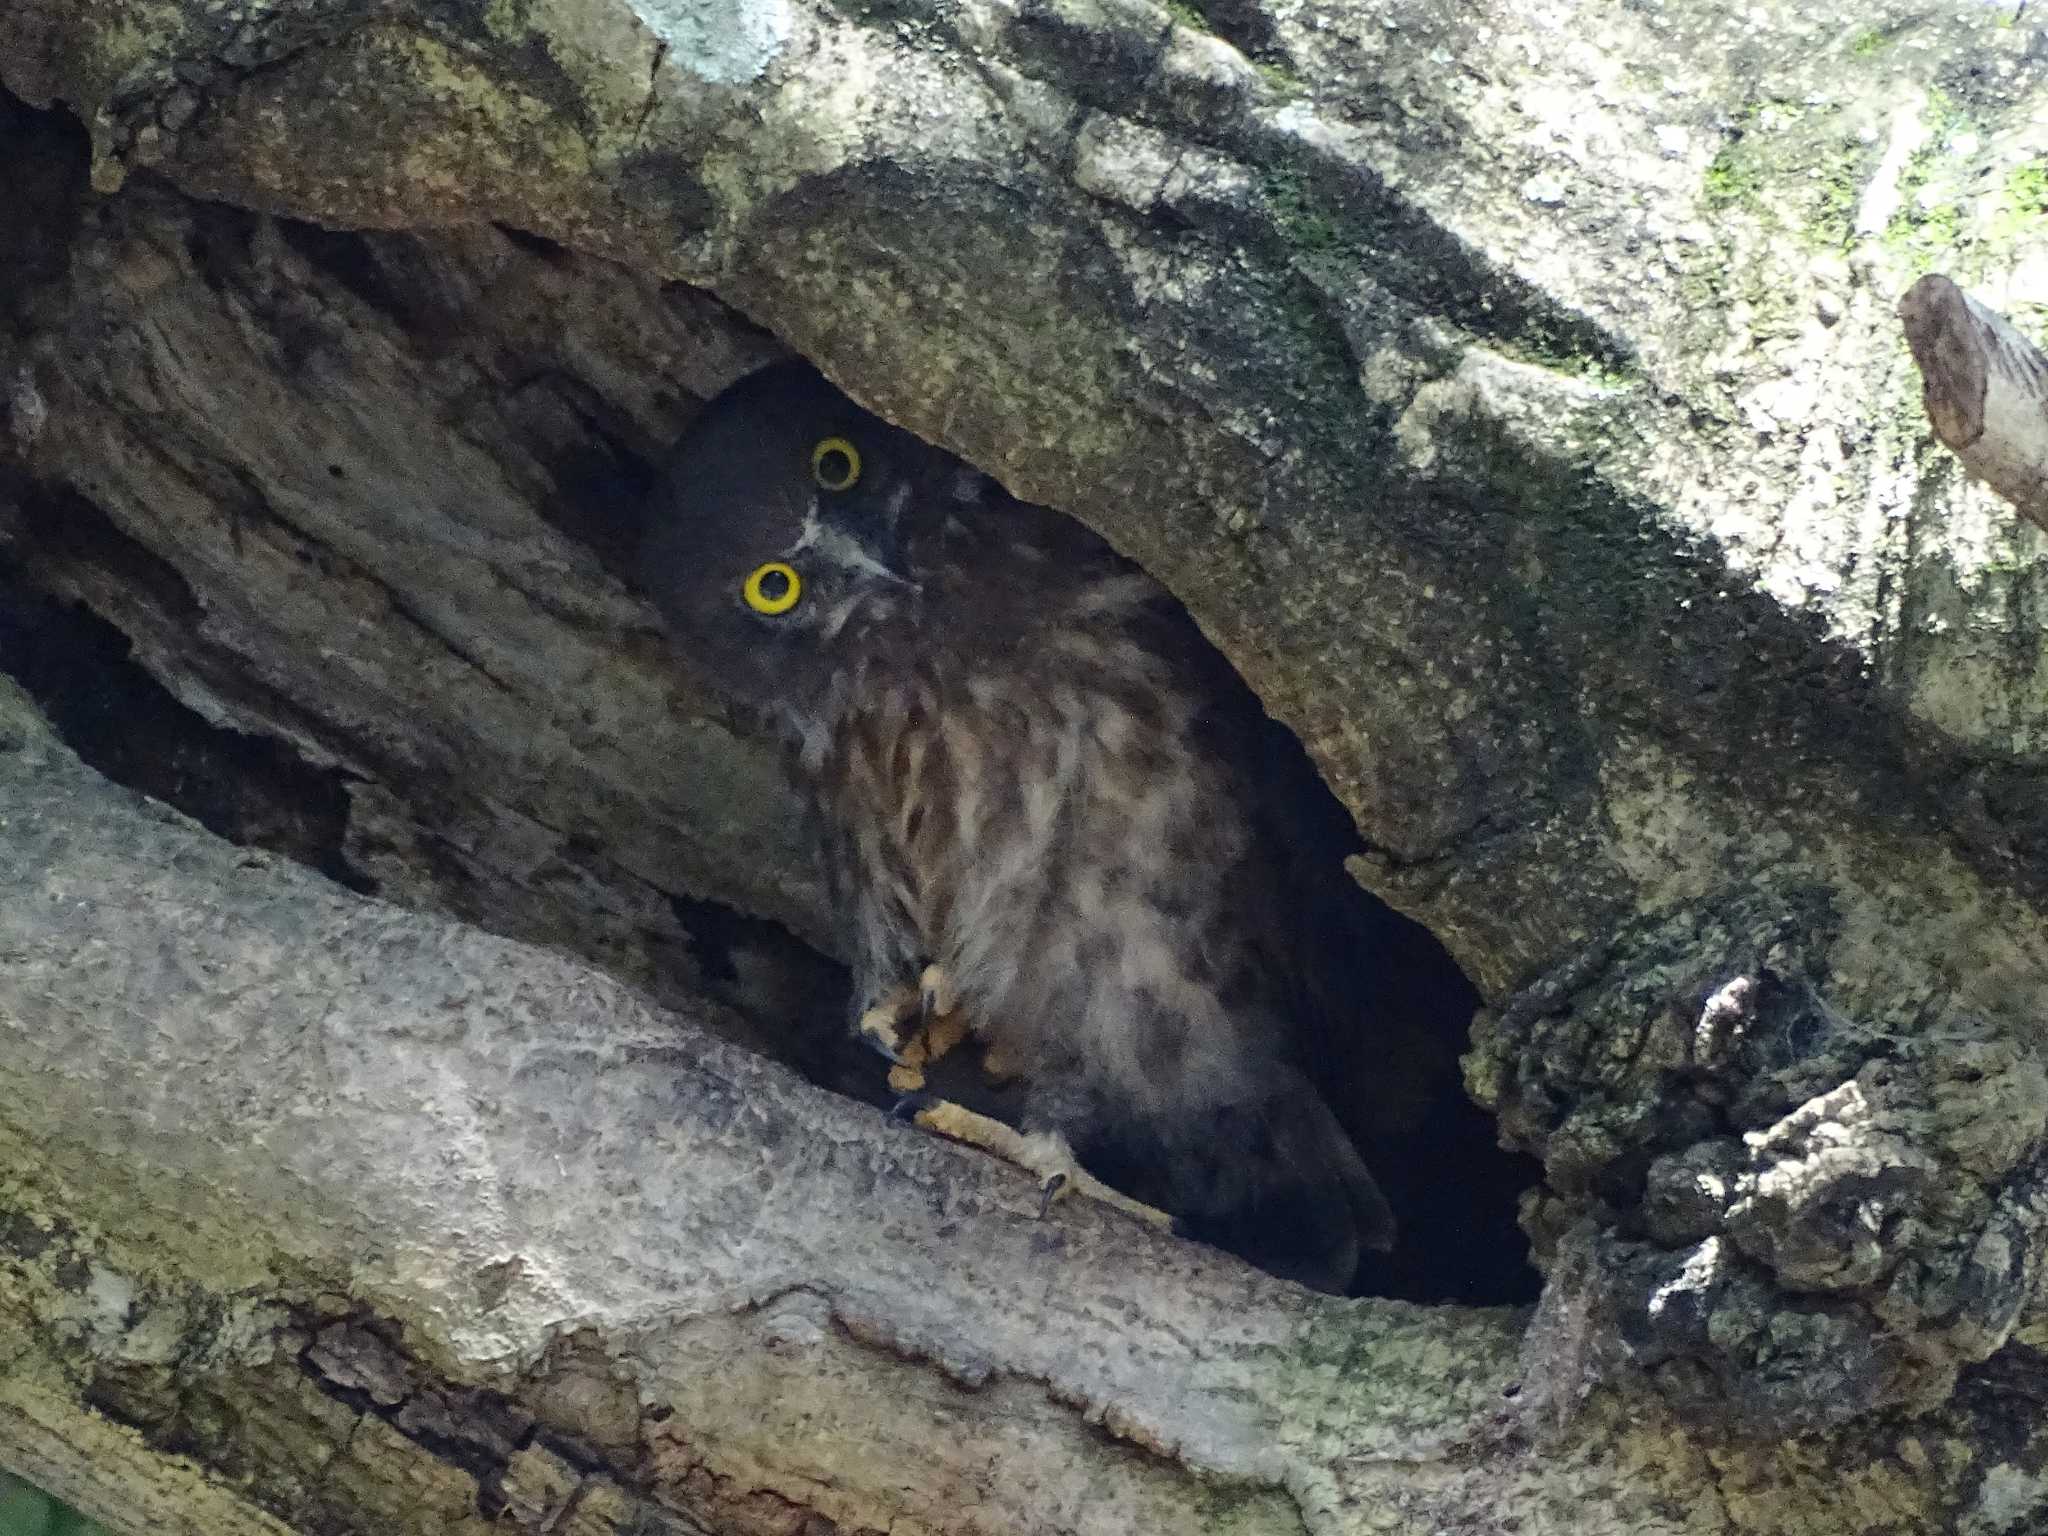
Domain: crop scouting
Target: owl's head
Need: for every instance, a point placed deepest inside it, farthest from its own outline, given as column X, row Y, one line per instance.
column 776, row 533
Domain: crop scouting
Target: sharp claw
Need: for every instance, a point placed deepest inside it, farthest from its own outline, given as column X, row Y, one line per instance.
column 1048, row 1192
column 881, row 1048
column 880, row 1024
column 935, row 992
column 905, row 1109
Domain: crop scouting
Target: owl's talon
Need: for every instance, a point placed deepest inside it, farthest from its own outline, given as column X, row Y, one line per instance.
column 940, row 1026
column 910, row 1106
column 881, row 1024
column 1045, row 1154
column 882, row 1048
column 1050, row 1191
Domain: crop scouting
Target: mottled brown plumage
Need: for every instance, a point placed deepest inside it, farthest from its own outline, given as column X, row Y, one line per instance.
column 1031, row 770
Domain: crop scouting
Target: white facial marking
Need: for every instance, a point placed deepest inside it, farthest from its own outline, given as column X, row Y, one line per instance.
column 841, row 548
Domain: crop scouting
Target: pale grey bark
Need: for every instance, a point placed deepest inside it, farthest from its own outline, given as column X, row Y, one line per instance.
column 329, row 1143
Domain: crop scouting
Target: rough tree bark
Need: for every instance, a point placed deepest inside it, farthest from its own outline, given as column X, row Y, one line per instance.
column 1516, row 398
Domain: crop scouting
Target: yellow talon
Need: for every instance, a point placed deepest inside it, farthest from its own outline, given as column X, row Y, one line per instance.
column 1046, row 1156
column 942, row 1026
column 881, row 1025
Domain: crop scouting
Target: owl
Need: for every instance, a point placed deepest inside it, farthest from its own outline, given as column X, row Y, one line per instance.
column 1039, row 807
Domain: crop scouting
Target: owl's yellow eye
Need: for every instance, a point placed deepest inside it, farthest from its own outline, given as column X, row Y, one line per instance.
column 835, row 464
column 773, row 588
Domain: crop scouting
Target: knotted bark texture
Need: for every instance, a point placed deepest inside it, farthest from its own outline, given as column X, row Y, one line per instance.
column 1781, row 1213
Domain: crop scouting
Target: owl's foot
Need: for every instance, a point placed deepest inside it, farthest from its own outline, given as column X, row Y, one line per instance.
column 939, row 1035
column 881, row 1026
column 1045, row 1155
column 942, row 1026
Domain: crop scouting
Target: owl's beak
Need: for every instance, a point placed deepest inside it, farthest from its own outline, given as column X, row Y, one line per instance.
column 829, row 541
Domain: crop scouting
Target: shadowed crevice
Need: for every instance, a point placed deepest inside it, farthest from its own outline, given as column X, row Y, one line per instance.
column 248, row 789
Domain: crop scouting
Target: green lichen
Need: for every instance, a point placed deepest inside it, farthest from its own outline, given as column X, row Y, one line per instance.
column 1735, row 176
column 1281, row 80
column 2007, row 565
column 1936, row 227
column 1791, row 169
column 1731, row 178
column 1928, row 226
column 1839, row 187
column 1868, row 42
column 2022, row 204
column 1308, row 230
column 1544, row 345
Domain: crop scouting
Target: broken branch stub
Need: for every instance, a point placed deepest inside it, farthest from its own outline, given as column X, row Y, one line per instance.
column 1985, row 387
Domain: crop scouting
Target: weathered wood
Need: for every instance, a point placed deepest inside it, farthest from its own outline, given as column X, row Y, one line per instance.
column 573, row 832
column 296, row 1090
column 1985, row 387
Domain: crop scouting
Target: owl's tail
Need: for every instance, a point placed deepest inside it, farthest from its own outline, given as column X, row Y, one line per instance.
column 1294, row 1198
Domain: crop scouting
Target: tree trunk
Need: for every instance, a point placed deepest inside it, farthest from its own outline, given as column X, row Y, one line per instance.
column 1516, row 398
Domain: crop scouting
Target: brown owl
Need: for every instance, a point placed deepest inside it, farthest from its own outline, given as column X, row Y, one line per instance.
column 1039, row 789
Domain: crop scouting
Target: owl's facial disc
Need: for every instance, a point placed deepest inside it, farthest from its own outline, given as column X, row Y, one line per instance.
column 831, row 534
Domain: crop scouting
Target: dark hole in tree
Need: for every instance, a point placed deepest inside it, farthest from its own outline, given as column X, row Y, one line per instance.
column 113, row 714
column 1453, row 1190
